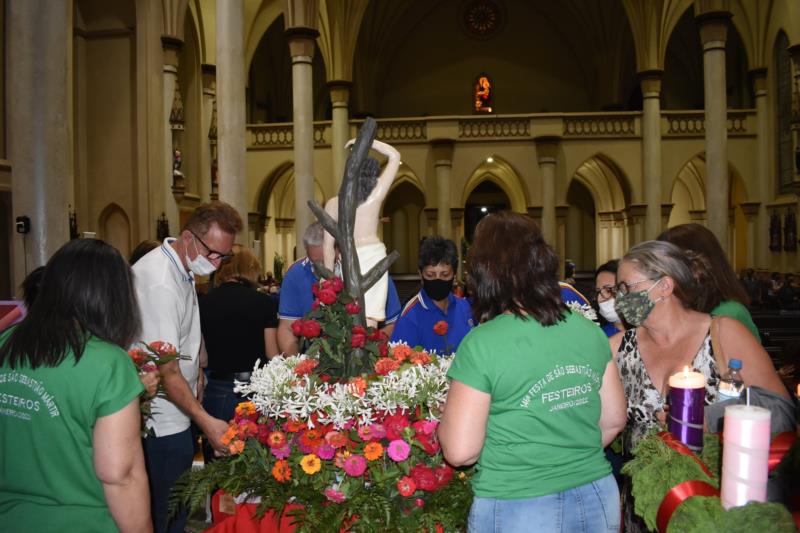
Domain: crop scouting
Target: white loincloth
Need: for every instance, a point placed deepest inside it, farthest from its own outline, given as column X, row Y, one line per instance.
column 375, row 298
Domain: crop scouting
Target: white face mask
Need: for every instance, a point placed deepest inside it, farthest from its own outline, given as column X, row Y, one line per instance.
column 200, row 265
column 608, row 312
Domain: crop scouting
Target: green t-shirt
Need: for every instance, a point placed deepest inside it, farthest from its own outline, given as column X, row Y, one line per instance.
column 542, row 435
column 734, row 309
column 47, row 415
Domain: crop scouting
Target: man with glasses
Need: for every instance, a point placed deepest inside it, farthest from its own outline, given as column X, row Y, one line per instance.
column 165, row 289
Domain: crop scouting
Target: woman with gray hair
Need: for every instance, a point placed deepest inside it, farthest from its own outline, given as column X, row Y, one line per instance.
column 661, row 291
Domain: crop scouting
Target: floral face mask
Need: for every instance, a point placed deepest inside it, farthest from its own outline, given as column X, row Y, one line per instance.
column 636, row 306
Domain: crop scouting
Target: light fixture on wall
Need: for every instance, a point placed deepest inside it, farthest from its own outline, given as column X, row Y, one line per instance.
column 484, row 209
column 490, row 159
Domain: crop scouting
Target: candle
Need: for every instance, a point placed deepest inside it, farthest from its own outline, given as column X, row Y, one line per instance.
column 686, row 399
column 745, row 455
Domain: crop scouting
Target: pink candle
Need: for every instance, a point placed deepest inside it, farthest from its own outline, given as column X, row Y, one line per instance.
column 745, row 455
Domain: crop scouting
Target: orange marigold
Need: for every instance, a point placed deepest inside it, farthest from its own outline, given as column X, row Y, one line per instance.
column 229, row 435
column 282, row 471
column 401, row 352
column 245, row 409
column 384, row 365
column 373, row 450
column 420, row 358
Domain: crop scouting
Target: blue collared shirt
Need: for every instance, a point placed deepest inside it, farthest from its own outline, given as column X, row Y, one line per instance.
column 415, row 325
column 296, row 296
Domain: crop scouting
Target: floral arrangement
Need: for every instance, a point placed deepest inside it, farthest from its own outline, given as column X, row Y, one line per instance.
column 661, row 466
column 361, row 451
column 583, row 309
column 148, row 358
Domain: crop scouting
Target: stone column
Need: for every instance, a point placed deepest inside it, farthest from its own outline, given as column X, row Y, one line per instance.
column 171, row 47
column 560, row 242
column 751, row 212
column 651, row 150
column 209, row 94
column 230, row 105
column 301, row 47
column 713, row 33
column 546, row 152
column 763, row 178
column 636, row 216
column 431, row 216
column 340, row 128
column 400, row 242
column 443, row 164
column 39, row 89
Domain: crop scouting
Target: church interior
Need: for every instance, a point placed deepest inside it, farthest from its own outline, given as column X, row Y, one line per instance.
column 606, row 120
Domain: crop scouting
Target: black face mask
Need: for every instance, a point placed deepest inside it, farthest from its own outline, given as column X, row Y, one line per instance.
column 437, row 289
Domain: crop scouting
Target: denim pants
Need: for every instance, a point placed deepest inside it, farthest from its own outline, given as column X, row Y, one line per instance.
column 219, row 401
column 167, row 458
column 593, row 507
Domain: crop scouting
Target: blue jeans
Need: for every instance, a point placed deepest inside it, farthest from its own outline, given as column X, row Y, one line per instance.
column 167, row 458
column 590, row 508
column 219, row 401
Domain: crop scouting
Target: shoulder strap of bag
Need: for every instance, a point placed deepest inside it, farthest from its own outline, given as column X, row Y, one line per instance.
column 716, row 345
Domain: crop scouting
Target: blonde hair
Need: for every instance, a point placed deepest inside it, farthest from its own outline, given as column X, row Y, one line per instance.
column 243, row 266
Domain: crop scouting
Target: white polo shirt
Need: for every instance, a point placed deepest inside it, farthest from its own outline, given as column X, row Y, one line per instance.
column 168, row 305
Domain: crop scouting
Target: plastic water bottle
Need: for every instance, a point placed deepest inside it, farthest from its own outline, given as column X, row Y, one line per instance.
column 731, row 384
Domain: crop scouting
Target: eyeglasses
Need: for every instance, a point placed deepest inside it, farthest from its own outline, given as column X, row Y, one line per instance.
column 624, row 288
column 606, row 291
column 213, row 255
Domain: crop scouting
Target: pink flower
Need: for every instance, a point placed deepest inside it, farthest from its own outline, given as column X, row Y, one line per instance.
column 326, row 451
column 426, row 427
column 334, row 495
column 398, row 450
column 283, row 452
column 355, row 465
column 371, row 432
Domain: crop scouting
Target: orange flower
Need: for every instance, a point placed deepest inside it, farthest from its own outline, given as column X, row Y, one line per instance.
column 373, row 450
column 229, row 435
column 401, row 352
column 420, row 358
column 282, row 471
column 276, row 439
column 310, row 464
column 384, row 365
column 358, row 386
column 245, row 409
column 305, row 366
column 293, row 426
column 236, row 446
column 311, row 438
column 440, row 328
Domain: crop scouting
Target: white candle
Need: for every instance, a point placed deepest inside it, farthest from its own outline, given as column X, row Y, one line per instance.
column 745, row 455
column 687, row 380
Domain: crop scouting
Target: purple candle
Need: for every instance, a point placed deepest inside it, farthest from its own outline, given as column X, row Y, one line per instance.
column 686, row 403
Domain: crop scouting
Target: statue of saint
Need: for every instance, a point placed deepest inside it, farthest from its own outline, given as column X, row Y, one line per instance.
column 372, row 190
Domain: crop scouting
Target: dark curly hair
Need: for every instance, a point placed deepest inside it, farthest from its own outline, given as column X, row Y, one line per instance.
column 368, row 178
column 512, row 269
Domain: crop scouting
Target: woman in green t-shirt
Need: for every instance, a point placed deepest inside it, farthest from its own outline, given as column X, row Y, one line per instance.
column 70, row 453
column 534, row 395
column 733, row 298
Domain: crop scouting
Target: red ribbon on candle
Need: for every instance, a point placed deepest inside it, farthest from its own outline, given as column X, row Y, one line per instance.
column 670, row 440
column 778, row 448
column 679, row 494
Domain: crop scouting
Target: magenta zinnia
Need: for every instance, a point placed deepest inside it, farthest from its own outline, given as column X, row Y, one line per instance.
column 398, row 450
column 355, row 465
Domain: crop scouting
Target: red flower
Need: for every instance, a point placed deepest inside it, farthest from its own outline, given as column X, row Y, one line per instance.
column 297, row 328
column 424, row 477
column 314, row 304
column 263, row 434
column 327, row 296
column 305, row 367
column 440, row 328
column 385, row 365
column 139, row 356
column 359, row 330
column 377, row 336
column 311, row 328
column 293, row 426
column 383, row 349
column 406, row 486
column 315, row 289
column 333, row 284
column 395, row 424
column 163, row 349
column 352, row 308
column 443, row 475
column 311, row 438
column 429, row 443
column 358, row 340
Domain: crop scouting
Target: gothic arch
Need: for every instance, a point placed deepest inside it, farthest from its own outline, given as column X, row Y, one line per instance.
column 268, row 12
column 502, row 174
column 605, row 180
column 196, row 16
column 406, row 222
column 115, row 228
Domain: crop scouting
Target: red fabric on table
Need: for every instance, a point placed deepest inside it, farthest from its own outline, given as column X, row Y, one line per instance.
column 244, row 520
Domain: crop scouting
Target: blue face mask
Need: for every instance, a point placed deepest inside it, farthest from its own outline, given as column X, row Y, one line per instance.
column 635, row 307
